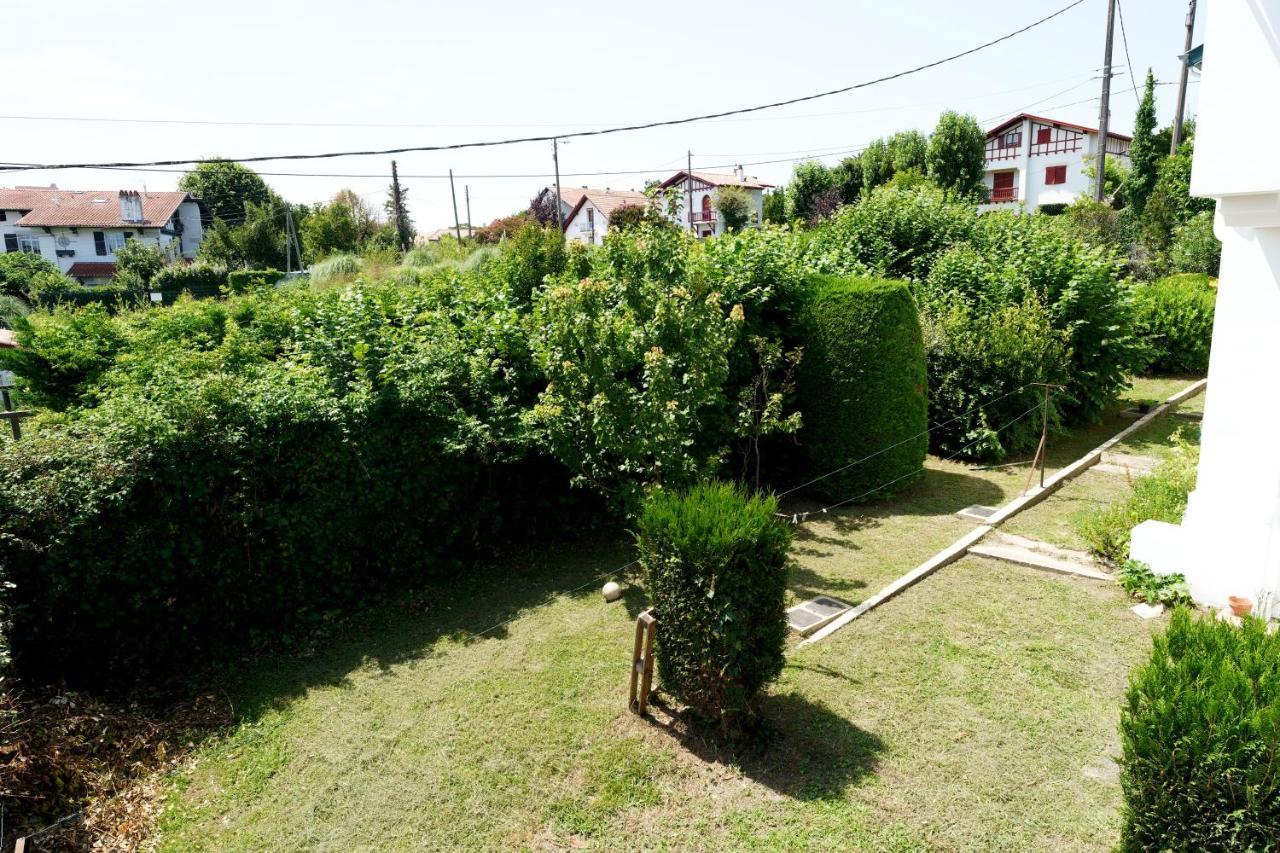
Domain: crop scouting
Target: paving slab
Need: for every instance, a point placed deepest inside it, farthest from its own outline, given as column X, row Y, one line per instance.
column 1039, row 555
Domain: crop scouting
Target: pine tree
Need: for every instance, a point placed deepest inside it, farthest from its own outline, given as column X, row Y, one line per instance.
column 1144, row 155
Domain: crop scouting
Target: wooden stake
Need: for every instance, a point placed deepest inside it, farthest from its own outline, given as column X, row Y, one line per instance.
column 642, row 663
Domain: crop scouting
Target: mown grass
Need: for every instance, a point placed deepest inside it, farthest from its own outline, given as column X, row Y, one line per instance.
column 976, row 711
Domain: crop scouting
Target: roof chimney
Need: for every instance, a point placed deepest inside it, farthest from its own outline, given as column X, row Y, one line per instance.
column 737, row 173
column 130, row 206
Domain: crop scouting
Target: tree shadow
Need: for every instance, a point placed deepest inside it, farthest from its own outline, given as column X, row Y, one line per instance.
column 805, row 583
column 802, row 748
column 935, row 492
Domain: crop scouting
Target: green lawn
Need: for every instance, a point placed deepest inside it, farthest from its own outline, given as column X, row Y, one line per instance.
column 976, row 711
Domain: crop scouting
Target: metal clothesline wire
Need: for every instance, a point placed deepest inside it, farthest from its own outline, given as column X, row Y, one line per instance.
column 801, row 517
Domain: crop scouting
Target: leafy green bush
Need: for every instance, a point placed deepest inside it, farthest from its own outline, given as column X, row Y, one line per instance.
column 861, row 385
column 1138, row 580
column 715, row 563
column 1200, row 730
column 27, row 275
column 335, row 267
column 981, row 364
column 1175, row 317
column 1160, row 495
column 528, row 258
column 1196, row 248
column 199, row 279
column 242, row 281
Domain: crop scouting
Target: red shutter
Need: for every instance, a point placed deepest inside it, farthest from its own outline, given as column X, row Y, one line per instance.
column 1055, row 175
column 1044, row 136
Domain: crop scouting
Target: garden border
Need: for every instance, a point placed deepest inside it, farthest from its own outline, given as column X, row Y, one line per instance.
column 1033, row 496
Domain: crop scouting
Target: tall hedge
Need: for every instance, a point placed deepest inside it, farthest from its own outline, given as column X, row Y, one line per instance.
column 1174, row 317
column 715, row 562
column 1201, row 732
column 861, row 385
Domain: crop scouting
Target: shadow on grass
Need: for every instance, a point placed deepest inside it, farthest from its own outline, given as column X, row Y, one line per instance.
column 804, row 750
column 936, row 492
column 475, row 607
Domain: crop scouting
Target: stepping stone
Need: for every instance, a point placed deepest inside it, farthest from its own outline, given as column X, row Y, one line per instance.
column 1147, row 611
column 1040, row 555
column 1189, row 416
column 1124, row 463
column 977, row 512
column 808, row 616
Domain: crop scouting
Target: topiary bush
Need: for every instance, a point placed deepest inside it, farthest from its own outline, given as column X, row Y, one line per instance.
column 1175, row 317
column 715, row 563
column 241, row 281
column 1200, row 732
column 861, row 385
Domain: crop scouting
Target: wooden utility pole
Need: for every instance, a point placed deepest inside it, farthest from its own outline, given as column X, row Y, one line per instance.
column 466, row 190
column 688, row 205
column 1182, row 81
column 398, row 206
column 1104, row 114
column 457, row 228
column 555, row 155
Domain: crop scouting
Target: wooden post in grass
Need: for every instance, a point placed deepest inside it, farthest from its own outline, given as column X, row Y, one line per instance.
column 642, row 663
column 8, row 414
column 1044, row 434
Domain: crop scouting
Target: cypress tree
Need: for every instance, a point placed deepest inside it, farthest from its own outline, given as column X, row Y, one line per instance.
column 1143, row 153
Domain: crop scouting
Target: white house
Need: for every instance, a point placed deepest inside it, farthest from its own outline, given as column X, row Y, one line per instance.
column 1034, row 161
column 81, row 230
column 588, row 219
column 704, row 220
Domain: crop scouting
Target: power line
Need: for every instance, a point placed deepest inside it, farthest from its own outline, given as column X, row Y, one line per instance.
column 587, row 133
column 1124, row 37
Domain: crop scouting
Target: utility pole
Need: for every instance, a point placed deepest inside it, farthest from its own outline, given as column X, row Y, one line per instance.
column 466, row 190
column 288, row 240
column 1104, row 115
column 396, row 205
column 457, row 229
column 555, row 155
column 688, row 205
column 1182, row 81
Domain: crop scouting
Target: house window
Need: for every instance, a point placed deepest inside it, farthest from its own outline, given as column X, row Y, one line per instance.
column 1012, row 139
column 3, row 216
column 706, row 208
column 1044, row 135
column 1055, row 175
column 28, row 244
column 11, row 242
column 591, row 218
column 100, row 242
column 115, row 242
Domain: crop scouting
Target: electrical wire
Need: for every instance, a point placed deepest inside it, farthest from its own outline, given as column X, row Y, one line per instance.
column 586, row 133
column 1124, row 37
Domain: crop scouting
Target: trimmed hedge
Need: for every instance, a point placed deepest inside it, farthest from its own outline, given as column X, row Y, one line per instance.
column 202, row 281
column 1175, row 317
column 1200, row 731
column 715, row 563
column 241, row 281
column 861, row 385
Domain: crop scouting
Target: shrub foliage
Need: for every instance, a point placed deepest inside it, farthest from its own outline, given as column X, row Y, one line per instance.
column 861, row 385
column 1200, row 731
column 715, row 562
column 1174, row 316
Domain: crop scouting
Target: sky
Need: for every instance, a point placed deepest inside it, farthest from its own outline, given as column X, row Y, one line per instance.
column 329, row 76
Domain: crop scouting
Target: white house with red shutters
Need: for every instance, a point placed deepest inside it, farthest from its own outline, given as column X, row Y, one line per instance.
column 81, row 230
column 1033, row 161
column 705, row 220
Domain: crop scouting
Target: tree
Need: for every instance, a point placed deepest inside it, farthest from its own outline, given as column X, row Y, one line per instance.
column 775, row 205
column 138, row 262
column 366, row 218
column 505, row 226
column 908, row 149
column 225, row 188
column 27, row 275
column 633, row 215
column 544, row 207
column 257, row 243
column 848, row 177
column 957, row 155
column 734, row 206
column 877, row 164
column 402, row 225
column 1144, row 156
column 330, row 230
column 809, row 181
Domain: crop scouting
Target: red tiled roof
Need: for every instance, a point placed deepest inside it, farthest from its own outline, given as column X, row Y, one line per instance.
column 1069, row 125
column 606, row 201
column 48, row 206
column 92, row 269
column 719, row 179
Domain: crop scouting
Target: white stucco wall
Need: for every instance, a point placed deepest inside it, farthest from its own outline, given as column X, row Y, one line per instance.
column 579, row 229
column 81, row 240
column 716, row 225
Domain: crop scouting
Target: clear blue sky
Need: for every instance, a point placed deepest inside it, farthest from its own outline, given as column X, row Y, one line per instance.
column 488, row 70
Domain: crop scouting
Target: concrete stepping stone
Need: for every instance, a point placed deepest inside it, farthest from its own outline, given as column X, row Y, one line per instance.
column 1039, row 555
column 1124, row 463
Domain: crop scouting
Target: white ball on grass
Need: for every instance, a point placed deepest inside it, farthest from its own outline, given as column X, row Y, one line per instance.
column 612, row 591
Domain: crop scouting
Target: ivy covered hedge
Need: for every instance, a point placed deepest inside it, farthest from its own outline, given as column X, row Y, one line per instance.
column 862, row 385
